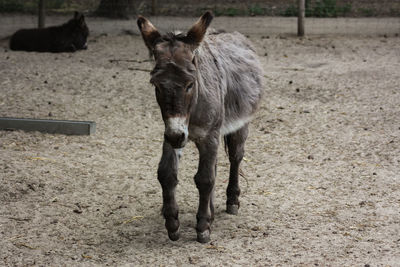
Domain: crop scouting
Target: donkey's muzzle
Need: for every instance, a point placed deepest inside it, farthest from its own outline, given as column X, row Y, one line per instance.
column 176, row 140
column 176, row 132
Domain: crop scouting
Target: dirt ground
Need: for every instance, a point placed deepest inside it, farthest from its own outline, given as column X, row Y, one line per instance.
column 321, row 183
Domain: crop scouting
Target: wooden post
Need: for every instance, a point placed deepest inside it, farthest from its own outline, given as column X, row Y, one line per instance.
column 41, row 16
column 153, row 7
column 300, row 19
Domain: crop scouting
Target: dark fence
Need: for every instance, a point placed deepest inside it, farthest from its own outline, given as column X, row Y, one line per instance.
column 314, row 8
column 369, row 17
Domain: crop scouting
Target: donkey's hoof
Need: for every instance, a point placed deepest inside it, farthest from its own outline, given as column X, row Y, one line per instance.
column 232, row 209
column 203, row 237
column 174, row 235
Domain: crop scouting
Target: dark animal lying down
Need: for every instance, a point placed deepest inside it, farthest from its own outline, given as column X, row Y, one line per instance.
column 68, row 37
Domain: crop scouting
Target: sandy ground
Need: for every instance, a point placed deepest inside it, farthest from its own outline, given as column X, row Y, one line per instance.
column 321, row 183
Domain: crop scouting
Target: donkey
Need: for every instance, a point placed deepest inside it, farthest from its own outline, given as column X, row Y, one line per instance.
column 207, row 86
column 68, row 37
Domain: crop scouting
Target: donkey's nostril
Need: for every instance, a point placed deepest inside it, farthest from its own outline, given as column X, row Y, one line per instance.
column 182, row 138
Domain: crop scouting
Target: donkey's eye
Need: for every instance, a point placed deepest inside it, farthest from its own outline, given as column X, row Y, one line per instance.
column 189, row 87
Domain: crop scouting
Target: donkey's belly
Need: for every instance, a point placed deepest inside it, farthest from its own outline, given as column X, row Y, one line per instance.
column 230, row 126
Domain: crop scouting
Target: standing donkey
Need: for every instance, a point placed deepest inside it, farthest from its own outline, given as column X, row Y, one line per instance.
column 207, row 85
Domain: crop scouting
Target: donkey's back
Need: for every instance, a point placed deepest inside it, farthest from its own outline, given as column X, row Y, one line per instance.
column 40, row 40
column 228, row 63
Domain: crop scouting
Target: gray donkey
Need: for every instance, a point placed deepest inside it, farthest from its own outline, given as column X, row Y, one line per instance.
column 207, row 85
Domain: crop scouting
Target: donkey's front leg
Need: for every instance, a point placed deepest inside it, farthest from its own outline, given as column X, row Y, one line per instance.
column 205, row 180
column 167, row 176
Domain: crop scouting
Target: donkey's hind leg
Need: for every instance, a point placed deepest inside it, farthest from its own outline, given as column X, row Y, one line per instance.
column 167, row 176
column 235, row 143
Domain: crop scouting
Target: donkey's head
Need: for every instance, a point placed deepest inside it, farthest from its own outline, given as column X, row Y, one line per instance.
column 77, row 31
column 174, row 75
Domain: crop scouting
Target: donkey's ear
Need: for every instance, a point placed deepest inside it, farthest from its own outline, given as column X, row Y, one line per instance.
column 196, row 33
column 79, row 18
column 149, row 32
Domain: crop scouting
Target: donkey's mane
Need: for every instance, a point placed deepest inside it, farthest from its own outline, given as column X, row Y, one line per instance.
column 173, row 37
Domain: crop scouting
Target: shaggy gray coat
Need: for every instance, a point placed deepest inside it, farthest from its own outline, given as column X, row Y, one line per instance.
column 229, row 80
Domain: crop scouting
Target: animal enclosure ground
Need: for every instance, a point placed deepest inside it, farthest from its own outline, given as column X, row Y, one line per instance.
column 321, row 181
